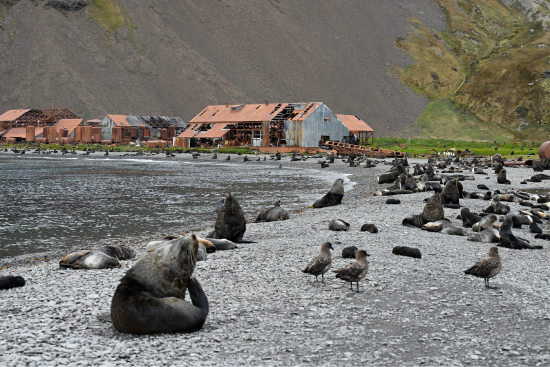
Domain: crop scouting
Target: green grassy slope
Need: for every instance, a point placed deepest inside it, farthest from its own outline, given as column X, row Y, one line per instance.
column 485, row 74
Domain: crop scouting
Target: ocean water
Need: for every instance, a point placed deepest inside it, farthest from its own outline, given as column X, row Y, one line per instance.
column 56, row 203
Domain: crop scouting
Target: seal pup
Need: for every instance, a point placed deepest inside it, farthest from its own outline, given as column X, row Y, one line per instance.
column 273, row 214
column 222, row 244
column 501, row 178
column 230, row 223
column 333, row 197
column 452, row 192
column 407, row 251
column 543, row 236
column 445, row 227
column 354, row 271
column 9, row 282
column 393, row 201
column 338, row 225
column 118, row 252
column 349, row 252
column 487, row 268
column 89, row 260
column 468, row 218
column 321, row 263
column 369, row 227
column 151, row 296
column 485, row 223
column 487, row 236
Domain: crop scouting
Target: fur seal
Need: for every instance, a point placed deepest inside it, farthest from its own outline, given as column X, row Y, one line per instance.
column 273, row 214
column 354, row 271
column 452, row 192
column 333, row 197
column 407, row 251
column 485, row 223
column 89, row 260
column 469, row 218
column 445, row 227
column 501, row 178
column 222, row 244
column 487, row 268
column 507, row 238
column 388, row 177
column 497, row 207
column 9, row 281
column 349, row 252
column 487, row 236
column 321, row 263
column 230, row 223
column 369, row 227
column 118, row 252
column 151, row 296
column 219, row 205
column 393, row 201
column 534, row 228
column 433, row 211
column 338, row 225
column 543, row 236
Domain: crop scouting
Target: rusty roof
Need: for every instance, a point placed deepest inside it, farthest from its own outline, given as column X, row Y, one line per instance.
column 21, row 132
column 13, row 115
column 354, row 123
column 307, row 109
column 216, row 131
column 191, row 131
column 119, row 120
column 239, row 113
column 69, row 124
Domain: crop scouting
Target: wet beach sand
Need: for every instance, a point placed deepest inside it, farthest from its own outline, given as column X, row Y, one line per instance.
column 265, row 311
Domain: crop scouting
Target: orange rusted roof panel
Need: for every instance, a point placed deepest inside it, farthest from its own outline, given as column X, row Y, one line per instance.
column 21, row 132
column 13, row 115
column 190, row 132
column 217, row 131
column 119, row 120
column 69, row 124
column 354, row 123
column 239, row 113
column 306, row 111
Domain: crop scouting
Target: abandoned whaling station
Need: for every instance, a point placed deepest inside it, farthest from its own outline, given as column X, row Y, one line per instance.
column 269, row 127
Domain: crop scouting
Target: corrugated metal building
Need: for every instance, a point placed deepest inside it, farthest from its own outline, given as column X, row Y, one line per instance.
column 275, row 125
column 140, row 127
column 33, row 117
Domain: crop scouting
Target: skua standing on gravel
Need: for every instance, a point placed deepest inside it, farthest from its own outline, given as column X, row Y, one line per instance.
column 354, row 271
column 487, row 268
column 321, row 263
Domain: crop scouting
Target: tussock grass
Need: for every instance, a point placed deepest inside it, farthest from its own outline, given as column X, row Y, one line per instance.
column 108, row 14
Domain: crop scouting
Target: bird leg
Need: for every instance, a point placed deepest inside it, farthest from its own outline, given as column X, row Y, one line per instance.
column 357, row 287
column 322, row 278
column 351, row 284
column 316, row 279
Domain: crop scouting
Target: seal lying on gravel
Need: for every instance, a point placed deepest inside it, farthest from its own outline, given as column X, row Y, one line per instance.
column 433, row 211
column 488, row 267
column 89, row 260
column 485, row 223
column 8, row 282
column 338, row 225
column 333, row 197
column 407, row 251
column 230, row 223
column 445, row 227
column 273, row 214
column 487, row 236
column 349, row 252
column 321, row 263
column 151, row 296
column 355, row 271
column 205, row 246
column 469, row 218
column 507, row 238
column 222, row 244
column 369, row 227
column 119, row 252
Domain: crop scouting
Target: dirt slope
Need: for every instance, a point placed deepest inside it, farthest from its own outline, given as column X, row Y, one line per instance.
column 164, row 57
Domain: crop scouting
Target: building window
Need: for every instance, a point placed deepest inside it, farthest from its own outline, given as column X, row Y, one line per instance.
column 327, row 118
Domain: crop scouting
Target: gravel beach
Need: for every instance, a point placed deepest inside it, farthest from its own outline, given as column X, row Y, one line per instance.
column 265, row 311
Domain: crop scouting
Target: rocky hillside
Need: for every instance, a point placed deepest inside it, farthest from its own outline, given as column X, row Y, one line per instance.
column 171, row 57
column 487, row 74
column 476, row 70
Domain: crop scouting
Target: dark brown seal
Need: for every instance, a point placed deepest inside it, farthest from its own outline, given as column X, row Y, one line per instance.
column 333, row 197
column 151, row 296
column 230, row 223
column 9, row 281
column 273, row 214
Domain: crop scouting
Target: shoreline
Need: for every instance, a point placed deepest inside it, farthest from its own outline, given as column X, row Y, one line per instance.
column 265, row 311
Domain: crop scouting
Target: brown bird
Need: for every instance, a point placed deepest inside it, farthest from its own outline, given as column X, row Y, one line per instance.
column 355, row 271
column 321, row 263
column 488, row 267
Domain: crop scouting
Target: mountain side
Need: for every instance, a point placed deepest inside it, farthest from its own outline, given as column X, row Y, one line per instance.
column 487, row 75
column 162, row 57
